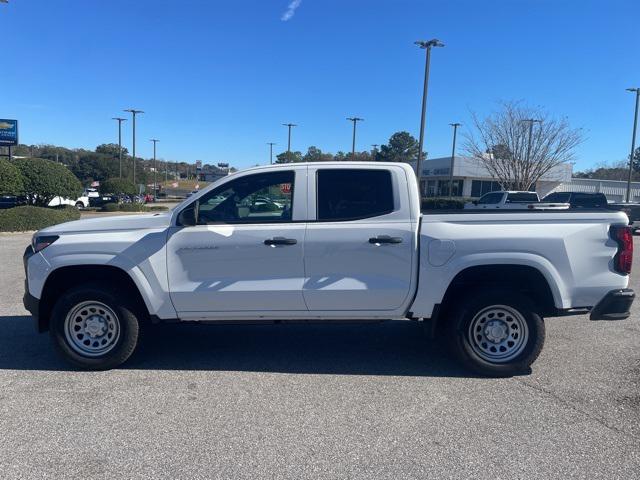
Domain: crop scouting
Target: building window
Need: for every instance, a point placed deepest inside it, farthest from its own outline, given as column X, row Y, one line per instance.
column 480, row 187
column 432, row 190
column 456, row 188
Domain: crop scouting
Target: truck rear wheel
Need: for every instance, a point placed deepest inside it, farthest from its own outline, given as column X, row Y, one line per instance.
column 94, row 327
column 496, row 332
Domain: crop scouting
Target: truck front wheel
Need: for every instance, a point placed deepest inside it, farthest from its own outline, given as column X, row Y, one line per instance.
column 496, row 332
column 94, row 327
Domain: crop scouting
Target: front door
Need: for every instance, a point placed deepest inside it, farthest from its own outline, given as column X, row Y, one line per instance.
column 245, row 254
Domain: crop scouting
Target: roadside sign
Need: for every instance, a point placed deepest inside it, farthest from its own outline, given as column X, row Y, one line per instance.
column 285, row 187
column 8, row 132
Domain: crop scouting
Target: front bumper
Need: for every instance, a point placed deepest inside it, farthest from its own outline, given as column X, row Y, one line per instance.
column 614, row 306
column 31, row 303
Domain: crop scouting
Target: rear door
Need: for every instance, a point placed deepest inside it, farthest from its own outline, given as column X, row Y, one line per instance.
column 360, row 241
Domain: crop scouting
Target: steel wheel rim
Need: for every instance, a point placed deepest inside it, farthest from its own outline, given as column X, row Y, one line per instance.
column 92, row 328
column 498, row 333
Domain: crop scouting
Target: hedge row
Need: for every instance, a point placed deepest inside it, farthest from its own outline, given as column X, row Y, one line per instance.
column 22, row 219
column 130, row 207
column 438, row 203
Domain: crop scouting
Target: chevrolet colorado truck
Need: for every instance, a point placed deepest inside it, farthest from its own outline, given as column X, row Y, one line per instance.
column 330, row 241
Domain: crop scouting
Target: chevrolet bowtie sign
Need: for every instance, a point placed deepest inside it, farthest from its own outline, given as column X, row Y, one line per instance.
column 8, row 132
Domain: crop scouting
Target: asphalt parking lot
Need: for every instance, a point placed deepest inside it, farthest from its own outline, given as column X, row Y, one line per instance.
column 318, row 401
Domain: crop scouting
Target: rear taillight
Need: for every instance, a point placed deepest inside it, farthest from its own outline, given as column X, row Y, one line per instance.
column 624, row 257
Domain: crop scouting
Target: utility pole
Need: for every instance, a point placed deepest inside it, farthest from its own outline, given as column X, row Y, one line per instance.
column 134, row 112
column 530, row 121
column 120, row 120
column 353, row 142
column 155, row 170
column 453, row 156
column 271, row 144
column 289, row 125
column 426, row 45
column 633, row 140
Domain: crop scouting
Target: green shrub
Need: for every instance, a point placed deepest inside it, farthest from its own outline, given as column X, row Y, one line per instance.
column 10, row 178
column 440, row 203
column 43, row 180
column 22, row 219
column 110, row 207
column 118, row 186
column 131, row 207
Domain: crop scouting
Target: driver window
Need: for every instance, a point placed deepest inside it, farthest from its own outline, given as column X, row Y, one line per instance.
column 258, row 198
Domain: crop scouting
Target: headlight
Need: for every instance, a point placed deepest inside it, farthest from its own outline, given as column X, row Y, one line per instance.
column 41, row 242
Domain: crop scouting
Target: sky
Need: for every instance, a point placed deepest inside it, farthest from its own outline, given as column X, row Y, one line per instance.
column 216, row 79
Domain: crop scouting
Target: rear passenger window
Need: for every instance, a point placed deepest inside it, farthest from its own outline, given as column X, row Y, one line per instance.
column 586, row 200
column 522, row 197
column 345, row 194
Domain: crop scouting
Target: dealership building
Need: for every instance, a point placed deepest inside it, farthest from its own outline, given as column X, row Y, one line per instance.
column 472, row 180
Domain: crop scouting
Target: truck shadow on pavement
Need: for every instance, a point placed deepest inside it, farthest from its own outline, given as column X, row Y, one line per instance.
column 386, row 348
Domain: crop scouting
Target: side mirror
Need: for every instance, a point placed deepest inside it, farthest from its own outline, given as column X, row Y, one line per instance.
column 187, row 217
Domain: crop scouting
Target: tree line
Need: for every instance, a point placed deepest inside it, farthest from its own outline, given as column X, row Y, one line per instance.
column 402, row 147
column 103, row 163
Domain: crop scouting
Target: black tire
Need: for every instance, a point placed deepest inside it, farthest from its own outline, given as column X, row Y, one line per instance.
column 119, row 303
column 472, row 351
column 79, row 205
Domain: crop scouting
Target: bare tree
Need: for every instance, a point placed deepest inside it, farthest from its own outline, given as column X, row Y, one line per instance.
column 519, row 144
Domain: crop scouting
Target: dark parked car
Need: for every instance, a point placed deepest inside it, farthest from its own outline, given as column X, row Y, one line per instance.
column 578, row 199
column 632, row 209
column 10, row 201
column 100, row 201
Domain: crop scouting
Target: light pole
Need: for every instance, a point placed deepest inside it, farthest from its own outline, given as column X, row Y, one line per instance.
column 427, row 45
column 375, row 149
column 120, row 120
column 155, row 170
column 271, row 144
column 633, row 140
column 289, row 125
column 353, row 143
column 134, row 112
column 530, row 121
column 453, row 156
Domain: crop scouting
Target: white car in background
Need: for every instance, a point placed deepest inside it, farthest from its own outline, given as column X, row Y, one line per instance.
column 513, row 200
column 81, row 202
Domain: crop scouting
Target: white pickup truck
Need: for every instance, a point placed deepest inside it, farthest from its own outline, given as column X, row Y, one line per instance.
column 331, row 241
column 513, row 200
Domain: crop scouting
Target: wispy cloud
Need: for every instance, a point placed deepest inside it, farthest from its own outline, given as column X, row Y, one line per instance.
column 291, row 10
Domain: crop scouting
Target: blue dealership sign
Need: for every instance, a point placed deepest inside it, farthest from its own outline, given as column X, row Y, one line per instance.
column 8, row 132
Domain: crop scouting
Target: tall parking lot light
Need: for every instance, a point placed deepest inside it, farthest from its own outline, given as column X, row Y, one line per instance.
column 633, row 140
column 134, row 112
column 426, row 45
column 453, row 156
column 155, row 170
column 355, row 120
column 530, row 121
column 120, row 120
column 289, row 125
column 271, row 144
